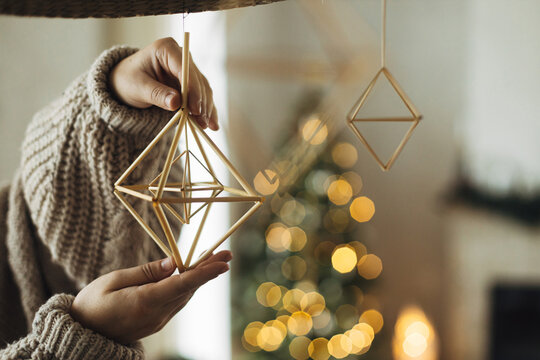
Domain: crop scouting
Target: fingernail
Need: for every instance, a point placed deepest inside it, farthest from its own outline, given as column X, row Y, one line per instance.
column 167, row 264
column 169, row 100
column 200, row 107
column 205, row 119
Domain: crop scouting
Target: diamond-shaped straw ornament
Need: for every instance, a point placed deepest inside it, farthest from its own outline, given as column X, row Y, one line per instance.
column 414, row 118
column 185, row 193
column 415, row 115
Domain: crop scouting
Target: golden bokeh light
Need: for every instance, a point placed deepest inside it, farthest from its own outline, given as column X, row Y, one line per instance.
column 339, row 191
column 318, row 349
column 344, row 258
column 346, row 316
column 374, row 319
column 294, row 268
column 268, row 294
column 414, row 336
column 266, row 182
column 415, row 345
column 298, row 239
column 284, row 319
column 252, row 331
column 300, row 323
column 298, row 348
column 359, row 340
column 314, row 131
column 355, row 180
column 366, row 329
column 369, row 266
column 292, row 300
column 339, row 346
column 313, row 303
column 360, row 248
column 248, row 346
column 362, row 209
column 278, row 237
column 344, row 155
column 271, row 335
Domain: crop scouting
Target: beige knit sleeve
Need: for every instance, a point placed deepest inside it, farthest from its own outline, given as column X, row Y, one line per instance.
column 55, row 335
column 74, row 151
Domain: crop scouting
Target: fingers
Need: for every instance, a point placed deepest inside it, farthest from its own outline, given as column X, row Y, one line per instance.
column 140, row 275
column 177, row 286
column 200, row 96
column 158, row 94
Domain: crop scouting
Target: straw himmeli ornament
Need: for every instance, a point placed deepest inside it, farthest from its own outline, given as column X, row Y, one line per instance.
column 117, row 8
column 163, row 194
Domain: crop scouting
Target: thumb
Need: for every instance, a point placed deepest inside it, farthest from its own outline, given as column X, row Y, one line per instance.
column 159, row 94
column 142, row 274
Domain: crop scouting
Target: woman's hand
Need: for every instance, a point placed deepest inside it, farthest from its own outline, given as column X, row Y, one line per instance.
column 127, row 305
column 152, row 76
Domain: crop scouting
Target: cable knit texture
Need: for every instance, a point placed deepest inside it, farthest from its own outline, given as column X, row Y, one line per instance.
column 63, row 227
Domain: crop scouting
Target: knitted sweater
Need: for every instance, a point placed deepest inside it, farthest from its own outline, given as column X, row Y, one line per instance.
column 60, row 224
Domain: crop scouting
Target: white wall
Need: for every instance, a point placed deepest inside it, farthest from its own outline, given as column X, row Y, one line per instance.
column 38, row 59
column 501, row 125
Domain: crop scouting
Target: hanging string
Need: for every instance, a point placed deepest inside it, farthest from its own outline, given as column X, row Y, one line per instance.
column 383, row 35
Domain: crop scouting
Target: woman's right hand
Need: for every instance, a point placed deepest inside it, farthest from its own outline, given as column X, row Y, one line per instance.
column 130, row 304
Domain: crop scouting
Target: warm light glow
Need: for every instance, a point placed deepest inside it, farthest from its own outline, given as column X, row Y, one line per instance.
column 299, row 348
column 344, row 259
column 278, row 237
column 294, row 268
column 318, row 349
column 414, row 336
column 313, row 303
column 415, row 345
column 266, row 182
column 252, row 331
column 292, row 300
column 366, row 329
column 355, row 180
column 298, row 239
column 362, row 209
column 374, row 319
column 323, row 252
column 314, row 131
column 369, row 266
column 359, row 340
column 339, row 346
column 339, row 192
column 300, row 323
column 344, row 155
column 271, row 335
column 268, row 294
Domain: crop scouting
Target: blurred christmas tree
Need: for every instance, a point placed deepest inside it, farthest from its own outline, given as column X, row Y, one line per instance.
column 301, row 273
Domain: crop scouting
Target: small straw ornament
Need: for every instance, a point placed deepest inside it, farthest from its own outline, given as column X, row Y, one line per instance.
column 414, row 119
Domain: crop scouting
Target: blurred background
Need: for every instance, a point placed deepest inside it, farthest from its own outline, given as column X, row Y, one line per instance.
column 438, row 258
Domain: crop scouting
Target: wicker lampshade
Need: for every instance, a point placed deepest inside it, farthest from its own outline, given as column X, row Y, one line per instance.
column 117, row 8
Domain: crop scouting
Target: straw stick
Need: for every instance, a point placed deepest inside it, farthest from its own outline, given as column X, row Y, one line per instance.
column 144, row 225
column 211, row 199
column 198, row 234
column 170, row 156
column 236, row 225
column 149, row 147
column 226, row 161
column 169, row 235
